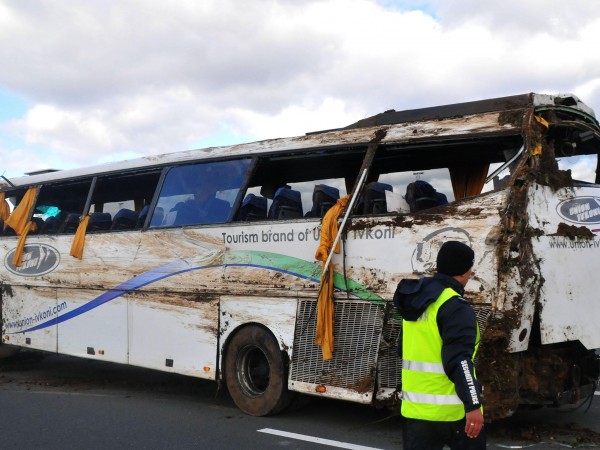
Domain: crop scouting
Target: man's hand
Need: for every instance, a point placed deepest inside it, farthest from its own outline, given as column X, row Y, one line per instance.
column 474, row 423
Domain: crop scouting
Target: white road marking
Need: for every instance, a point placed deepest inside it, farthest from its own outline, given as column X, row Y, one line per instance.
column 597, row 393
column 316, row 440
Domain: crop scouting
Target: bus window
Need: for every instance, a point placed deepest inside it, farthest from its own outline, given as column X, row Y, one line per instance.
column 305, row 199
column 433, row 188
column 118, row 200
column 200, row 193
column 582, row 167
column 319, row 195
column 300, row 184
column 59, row 206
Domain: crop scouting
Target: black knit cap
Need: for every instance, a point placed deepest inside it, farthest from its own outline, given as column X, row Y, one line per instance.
column 455, row 258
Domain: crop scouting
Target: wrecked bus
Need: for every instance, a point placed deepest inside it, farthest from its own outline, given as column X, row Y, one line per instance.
column 202, row 262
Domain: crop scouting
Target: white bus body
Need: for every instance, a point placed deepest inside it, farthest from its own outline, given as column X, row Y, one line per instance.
column 235, row 300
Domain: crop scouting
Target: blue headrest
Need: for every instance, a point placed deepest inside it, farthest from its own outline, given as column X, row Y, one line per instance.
column 425, row 188
column 330, row 191
column 442, row 199
column 289, row 194
column 126, row 214
column 254, row 200
column 100, row 220
column 380, row 187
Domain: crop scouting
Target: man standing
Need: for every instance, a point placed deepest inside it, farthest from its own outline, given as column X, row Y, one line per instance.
column 441, row 397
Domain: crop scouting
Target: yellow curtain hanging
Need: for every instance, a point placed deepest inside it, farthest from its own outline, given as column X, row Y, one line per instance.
column 79, row 239
column 18, row 219
column 18, row 256
column 325, row 306
column 468, row 180
column 4, row 209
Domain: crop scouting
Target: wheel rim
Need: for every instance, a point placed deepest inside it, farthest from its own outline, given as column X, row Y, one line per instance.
column 253, row 371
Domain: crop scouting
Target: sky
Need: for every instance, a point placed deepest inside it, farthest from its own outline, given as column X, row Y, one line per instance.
column 89, row 82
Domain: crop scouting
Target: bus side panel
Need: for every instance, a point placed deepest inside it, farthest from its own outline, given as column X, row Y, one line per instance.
column 29, row 317
column 276, row 314
column 568, row 252
column 99, row 333
column 174, row 332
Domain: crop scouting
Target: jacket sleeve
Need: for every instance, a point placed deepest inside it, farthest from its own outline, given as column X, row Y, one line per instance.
column 458, row 328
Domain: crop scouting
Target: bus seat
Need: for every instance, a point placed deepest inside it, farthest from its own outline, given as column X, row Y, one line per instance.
column 99, row 221
column 254, row 207
column 421, row 195
column 125, row 219
column 50, row 225
column 374, row 198
column 287, row 204
column 324, row 197
column 217, row 210
column 442, row 199
column 214, row 210
column 69, row 223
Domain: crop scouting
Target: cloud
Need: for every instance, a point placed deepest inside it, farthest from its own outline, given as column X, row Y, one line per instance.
column 105, row 79
column 19, row 161
column 521, row 18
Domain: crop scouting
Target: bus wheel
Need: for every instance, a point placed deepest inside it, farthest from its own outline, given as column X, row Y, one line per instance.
column 255, row 372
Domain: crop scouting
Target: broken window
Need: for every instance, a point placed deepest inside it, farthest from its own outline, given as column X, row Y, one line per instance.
column 582, row 167
column 424, row 174
column 118, row 200
column 59, row 206
column 299, row 184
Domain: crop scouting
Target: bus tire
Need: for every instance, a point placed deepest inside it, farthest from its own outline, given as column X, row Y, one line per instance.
column 256, row 372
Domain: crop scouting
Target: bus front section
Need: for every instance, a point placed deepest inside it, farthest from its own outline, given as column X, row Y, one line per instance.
column 539, row 346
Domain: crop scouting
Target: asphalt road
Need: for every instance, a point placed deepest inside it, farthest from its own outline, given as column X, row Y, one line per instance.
column 58, row 402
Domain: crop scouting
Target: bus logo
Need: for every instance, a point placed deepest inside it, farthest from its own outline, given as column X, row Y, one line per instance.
column 38, row 259
column 582, row 210
column 424, row 255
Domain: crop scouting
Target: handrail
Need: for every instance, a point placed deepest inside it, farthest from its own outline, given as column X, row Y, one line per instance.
column 505, row 165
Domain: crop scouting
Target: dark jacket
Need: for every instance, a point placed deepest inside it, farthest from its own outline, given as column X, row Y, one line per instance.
column 457, row 324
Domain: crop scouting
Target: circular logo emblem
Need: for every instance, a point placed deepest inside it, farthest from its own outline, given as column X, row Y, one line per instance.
column 425, row 254
column 582, row 210
column 38, row 259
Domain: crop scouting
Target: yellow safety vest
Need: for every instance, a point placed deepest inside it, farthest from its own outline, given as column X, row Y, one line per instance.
column 427, row 392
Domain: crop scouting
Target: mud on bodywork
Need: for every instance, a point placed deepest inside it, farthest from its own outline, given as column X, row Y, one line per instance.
column 512, row 364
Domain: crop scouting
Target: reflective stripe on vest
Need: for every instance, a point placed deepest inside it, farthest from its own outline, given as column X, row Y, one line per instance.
column 427, row 392
column 422, row 366
column 432, row 398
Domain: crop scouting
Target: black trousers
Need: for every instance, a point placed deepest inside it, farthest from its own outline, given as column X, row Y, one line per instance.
column 427, row 435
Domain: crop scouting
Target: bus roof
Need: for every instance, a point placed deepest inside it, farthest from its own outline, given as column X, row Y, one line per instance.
column 390, row 127
column 569, row 101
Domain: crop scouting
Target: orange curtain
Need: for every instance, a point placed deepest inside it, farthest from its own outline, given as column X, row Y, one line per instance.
column 18, row 219
column 325, row 307
column 468, row 180
column 4, row 209
column 18, row 256
column 79, row 239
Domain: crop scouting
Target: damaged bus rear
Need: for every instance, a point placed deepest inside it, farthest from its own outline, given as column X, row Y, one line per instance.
column 524, row 175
